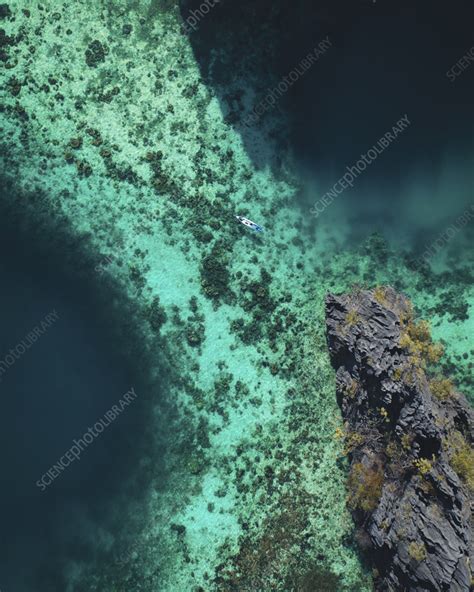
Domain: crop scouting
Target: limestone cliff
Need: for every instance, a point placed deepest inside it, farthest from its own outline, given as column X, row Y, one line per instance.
column 409, row 440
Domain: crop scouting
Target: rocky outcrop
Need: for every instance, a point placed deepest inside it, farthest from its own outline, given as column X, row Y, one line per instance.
column 409, row 441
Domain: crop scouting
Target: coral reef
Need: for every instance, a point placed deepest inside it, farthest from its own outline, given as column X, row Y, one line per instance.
column 411, row 477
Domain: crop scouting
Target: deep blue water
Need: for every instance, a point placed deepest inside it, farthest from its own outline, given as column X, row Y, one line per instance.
column 386, row 59
column 63, row 384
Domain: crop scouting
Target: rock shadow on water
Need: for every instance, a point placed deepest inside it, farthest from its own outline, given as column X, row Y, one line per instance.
column 84, row 360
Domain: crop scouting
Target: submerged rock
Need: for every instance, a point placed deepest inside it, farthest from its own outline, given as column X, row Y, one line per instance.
column 409, row 441
column 5, row 11
column 95, row 53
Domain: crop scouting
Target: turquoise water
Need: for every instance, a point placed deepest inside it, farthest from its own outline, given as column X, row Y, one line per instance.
column 124, row 160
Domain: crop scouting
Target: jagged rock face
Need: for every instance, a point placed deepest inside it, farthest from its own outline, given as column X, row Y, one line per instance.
column 412, row 509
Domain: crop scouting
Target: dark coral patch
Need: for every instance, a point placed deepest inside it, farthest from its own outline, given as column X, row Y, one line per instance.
column 96, row 53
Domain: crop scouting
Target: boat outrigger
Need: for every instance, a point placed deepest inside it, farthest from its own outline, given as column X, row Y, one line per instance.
column 249, row 223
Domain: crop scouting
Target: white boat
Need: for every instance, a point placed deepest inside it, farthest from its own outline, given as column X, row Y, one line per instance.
column 249, row 223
